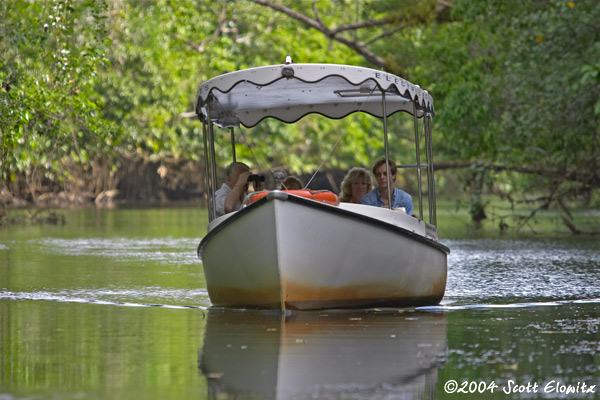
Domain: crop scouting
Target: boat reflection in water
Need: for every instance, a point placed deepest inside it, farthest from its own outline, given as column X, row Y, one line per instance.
column 323, row 354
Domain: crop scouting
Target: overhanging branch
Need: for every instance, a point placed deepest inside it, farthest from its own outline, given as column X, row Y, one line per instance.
column 321, row 27
column 201, row 47
column 590, row 178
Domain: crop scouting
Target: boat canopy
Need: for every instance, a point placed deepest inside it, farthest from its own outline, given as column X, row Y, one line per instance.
column 288, row 92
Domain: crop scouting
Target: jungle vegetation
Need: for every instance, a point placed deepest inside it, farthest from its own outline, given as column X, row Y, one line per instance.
column 94, row 93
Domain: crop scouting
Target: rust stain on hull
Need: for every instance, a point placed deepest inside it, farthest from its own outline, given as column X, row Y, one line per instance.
column 235, row 297
column 310, row 297
column 307, row 297
column 362, row 303
column 439, row 287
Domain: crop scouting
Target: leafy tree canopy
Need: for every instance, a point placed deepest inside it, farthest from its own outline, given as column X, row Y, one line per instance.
column 516, row 84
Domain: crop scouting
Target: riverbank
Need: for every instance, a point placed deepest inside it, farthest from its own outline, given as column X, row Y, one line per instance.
column 504, row 219
column 454, row 219
column 139, row 183
column 128, row 180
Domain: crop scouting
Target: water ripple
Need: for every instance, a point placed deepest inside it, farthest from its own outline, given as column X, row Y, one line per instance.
column 73, row 297
column 496, row 270
column 165, row 249
column 446, row 306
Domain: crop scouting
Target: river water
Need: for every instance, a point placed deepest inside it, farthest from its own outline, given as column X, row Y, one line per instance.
column 113, row 305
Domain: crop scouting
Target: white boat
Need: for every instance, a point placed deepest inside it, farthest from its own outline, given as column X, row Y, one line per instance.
column 288, row 251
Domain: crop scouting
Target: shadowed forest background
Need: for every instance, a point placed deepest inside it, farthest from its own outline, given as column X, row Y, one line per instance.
column 95, row 97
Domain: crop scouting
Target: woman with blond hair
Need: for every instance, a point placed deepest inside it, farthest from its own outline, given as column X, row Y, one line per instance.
column 355, row 185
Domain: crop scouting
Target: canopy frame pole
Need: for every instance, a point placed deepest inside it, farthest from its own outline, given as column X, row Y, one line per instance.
column 213, row 164
column 417, row 147
column 207, row 170
column 233, row 145
column 431, row 171
column 387, row 150
column 429, row 161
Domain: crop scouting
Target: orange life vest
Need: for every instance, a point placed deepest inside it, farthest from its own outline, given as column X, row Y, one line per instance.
column 321, row 196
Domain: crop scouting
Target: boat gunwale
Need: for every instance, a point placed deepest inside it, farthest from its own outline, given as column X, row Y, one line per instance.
column 326, row 207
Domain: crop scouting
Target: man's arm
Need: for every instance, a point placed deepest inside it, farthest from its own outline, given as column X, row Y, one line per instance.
column 233, row 198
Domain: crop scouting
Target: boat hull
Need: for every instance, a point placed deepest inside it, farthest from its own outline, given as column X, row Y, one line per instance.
column 292, row 253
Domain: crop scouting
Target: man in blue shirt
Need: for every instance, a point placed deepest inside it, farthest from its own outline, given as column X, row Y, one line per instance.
column 379, row 196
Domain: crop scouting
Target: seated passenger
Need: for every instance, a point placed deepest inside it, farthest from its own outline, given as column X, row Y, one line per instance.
column 355, row 185
column 230, row 196
column 292, row 183
column 379, row 196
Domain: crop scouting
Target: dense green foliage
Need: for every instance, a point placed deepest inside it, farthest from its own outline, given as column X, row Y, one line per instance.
column 48, row 113
column 86, row 85
column 522, row 91
column 521, row 97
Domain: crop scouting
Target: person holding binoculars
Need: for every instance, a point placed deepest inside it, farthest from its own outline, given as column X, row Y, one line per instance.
column 230, row 196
